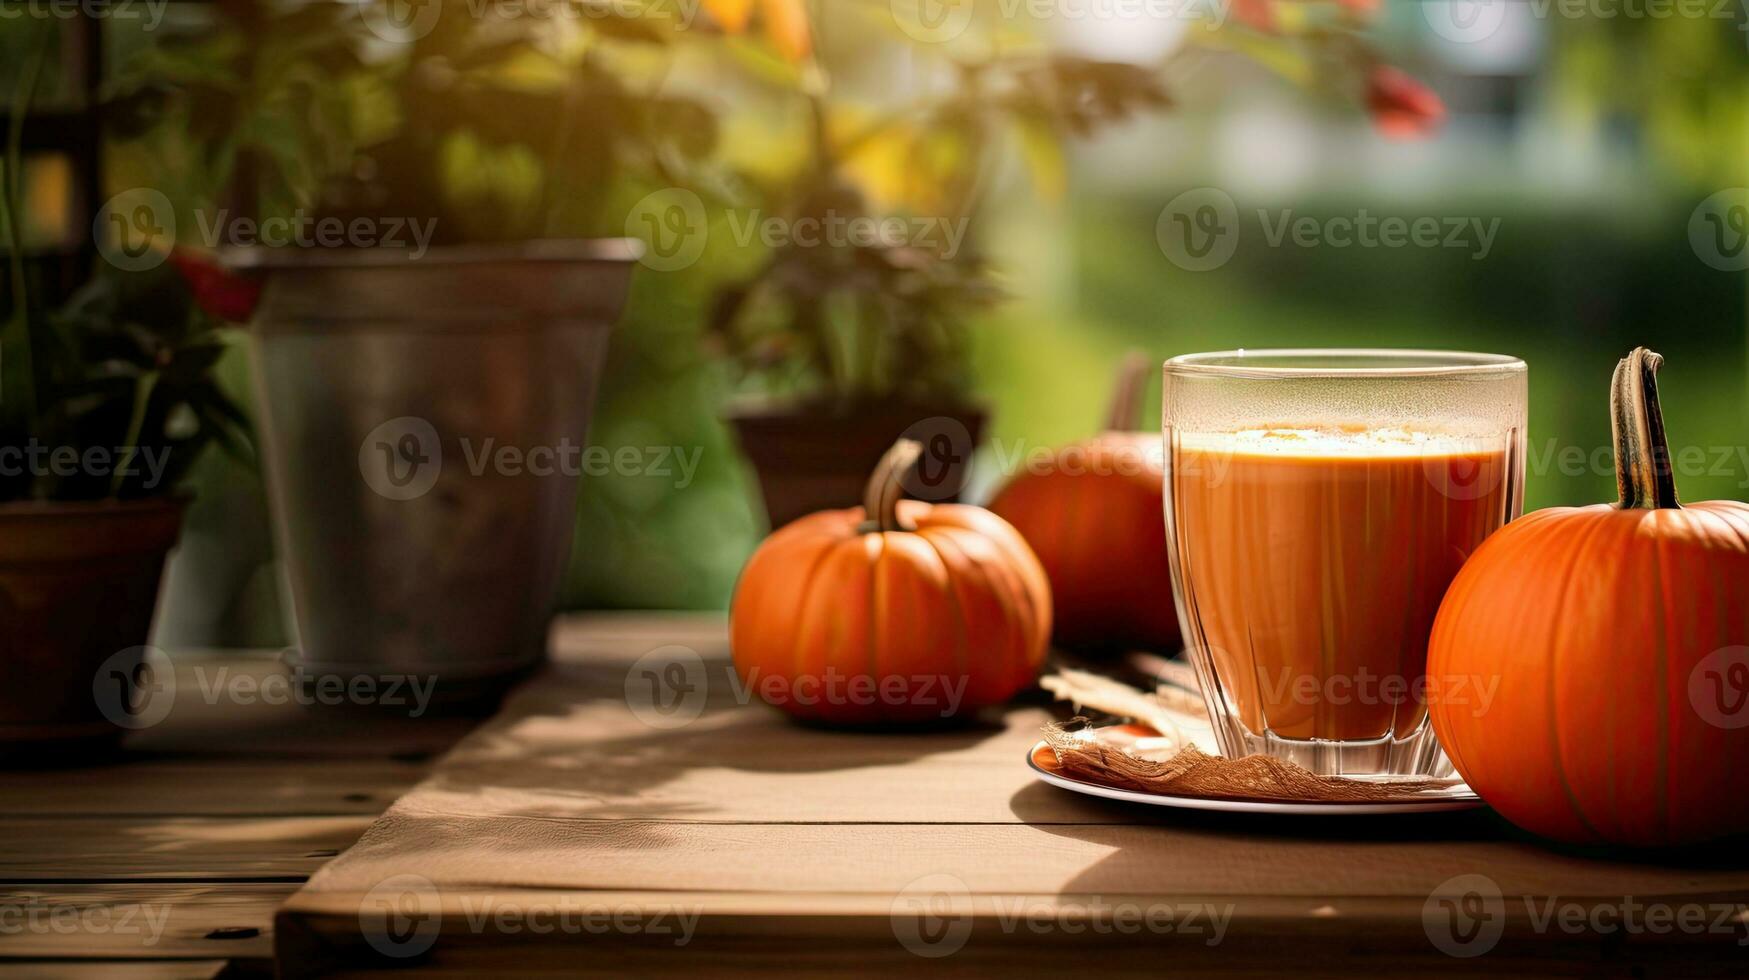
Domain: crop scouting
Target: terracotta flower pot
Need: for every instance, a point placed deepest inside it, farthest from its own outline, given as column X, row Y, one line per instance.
column 78, row 584
column 813, row 456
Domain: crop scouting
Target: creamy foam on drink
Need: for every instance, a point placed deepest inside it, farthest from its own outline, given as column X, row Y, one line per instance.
column 1315, row 557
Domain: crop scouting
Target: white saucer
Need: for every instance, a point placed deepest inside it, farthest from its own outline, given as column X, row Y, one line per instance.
column 1459, row 797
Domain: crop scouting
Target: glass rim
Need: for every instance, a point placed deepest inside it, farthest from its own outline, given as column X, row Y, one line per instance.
column 1390, row 363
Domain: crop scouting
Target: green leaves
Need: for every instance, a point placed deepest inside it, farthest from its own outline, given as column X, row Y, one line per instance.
column 130, row 371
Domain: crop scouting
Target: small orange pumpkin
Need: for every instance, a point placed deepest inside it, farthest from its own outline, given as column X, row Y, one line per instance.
column 1613, row 637
column 1094, row 514
column 897, row 611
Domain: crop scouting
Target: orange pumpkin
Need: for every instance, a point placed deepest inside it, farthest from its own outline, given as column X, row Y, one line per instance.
column 897, row 611
column 1094, row 514
column 1613, row 637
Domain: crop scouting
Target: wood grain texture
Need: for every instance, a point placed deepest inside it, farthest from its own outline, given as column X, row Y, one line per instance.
column 111, row 969
column 201, row 824
column 171, row 848
column 817, row 851
column 130, row 920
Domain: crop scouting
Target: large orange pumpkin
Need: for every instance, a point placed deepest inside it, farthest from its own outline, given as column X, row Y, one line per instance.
column 1613, row 638
column 897, row 611
column 1094, row 514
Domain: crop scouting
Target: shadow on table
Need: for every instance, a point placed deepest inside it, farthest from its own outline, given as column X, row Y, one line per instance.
column 1224, row 830
column 577, row 742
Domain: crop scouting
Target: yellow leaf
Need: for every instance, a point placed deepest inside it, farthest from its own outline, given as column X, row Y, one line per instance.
column 786, row 25
column 731, row 15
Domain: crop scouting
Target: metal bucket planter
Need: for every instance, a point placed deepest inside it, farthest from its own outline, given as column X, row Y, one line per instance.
column 415, row 416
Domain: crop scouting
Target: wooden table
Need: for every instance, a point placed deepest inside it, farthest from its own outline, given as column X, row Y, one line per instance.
column 585, row 830
column 170, row 860
column 783, row 849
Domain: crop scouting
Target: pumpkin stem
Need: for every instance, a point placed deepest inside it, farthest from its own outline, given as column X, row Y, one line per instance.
column 1126, row 398
column 880, row 502
column 1642, row 454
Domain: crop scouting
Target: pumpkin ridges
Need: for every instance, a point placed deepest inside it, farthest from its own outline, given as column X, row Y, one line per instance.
column 823, row 619
column 1020, row 657
column 894, row 614
column 957, row 579
column 981, row 596
column 1527, row 545
column 1603, row 525
column 749, row 612
column 912, row 620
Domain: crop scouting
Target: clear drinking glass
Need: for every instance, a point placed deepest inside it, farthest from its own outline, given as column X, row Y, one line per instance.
column 1318, row 503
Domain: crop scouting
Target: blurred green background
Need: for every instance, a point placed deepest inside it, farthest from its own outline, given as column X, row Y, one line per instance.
column 1592, row 142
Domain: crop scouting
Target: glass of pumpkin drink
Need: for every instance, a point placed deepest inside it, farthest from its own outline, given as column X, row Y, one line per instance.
column 1318, row 503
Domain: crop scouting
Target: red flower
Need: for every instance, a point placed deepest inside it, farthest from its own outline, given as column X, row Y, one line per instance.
column 1401, row 107
column 217, row 291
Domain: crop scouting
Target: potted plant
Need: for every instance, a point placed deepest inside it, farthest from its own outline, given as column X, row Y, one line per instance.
column 105, row 404
column 842, row 343
column 395, row 374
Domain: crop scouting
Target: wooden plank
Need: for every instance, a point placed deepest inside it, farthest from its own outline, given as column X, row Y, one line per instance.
column 684, row 933
column 171, row 848
column 220, row 711
column 175, row 786
column 1197, row 857
column 130, row 920
column 111, row 969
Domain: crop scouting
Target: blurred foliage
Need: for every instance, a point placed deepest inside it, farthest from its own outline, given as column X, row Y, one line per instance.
column 112, row 394
column 563, row 130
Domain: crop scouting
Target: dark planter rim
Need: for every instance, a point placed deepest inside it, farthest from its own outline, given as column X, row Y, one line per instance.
column 753, row 407
column 613, row 251
column 70, row 509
